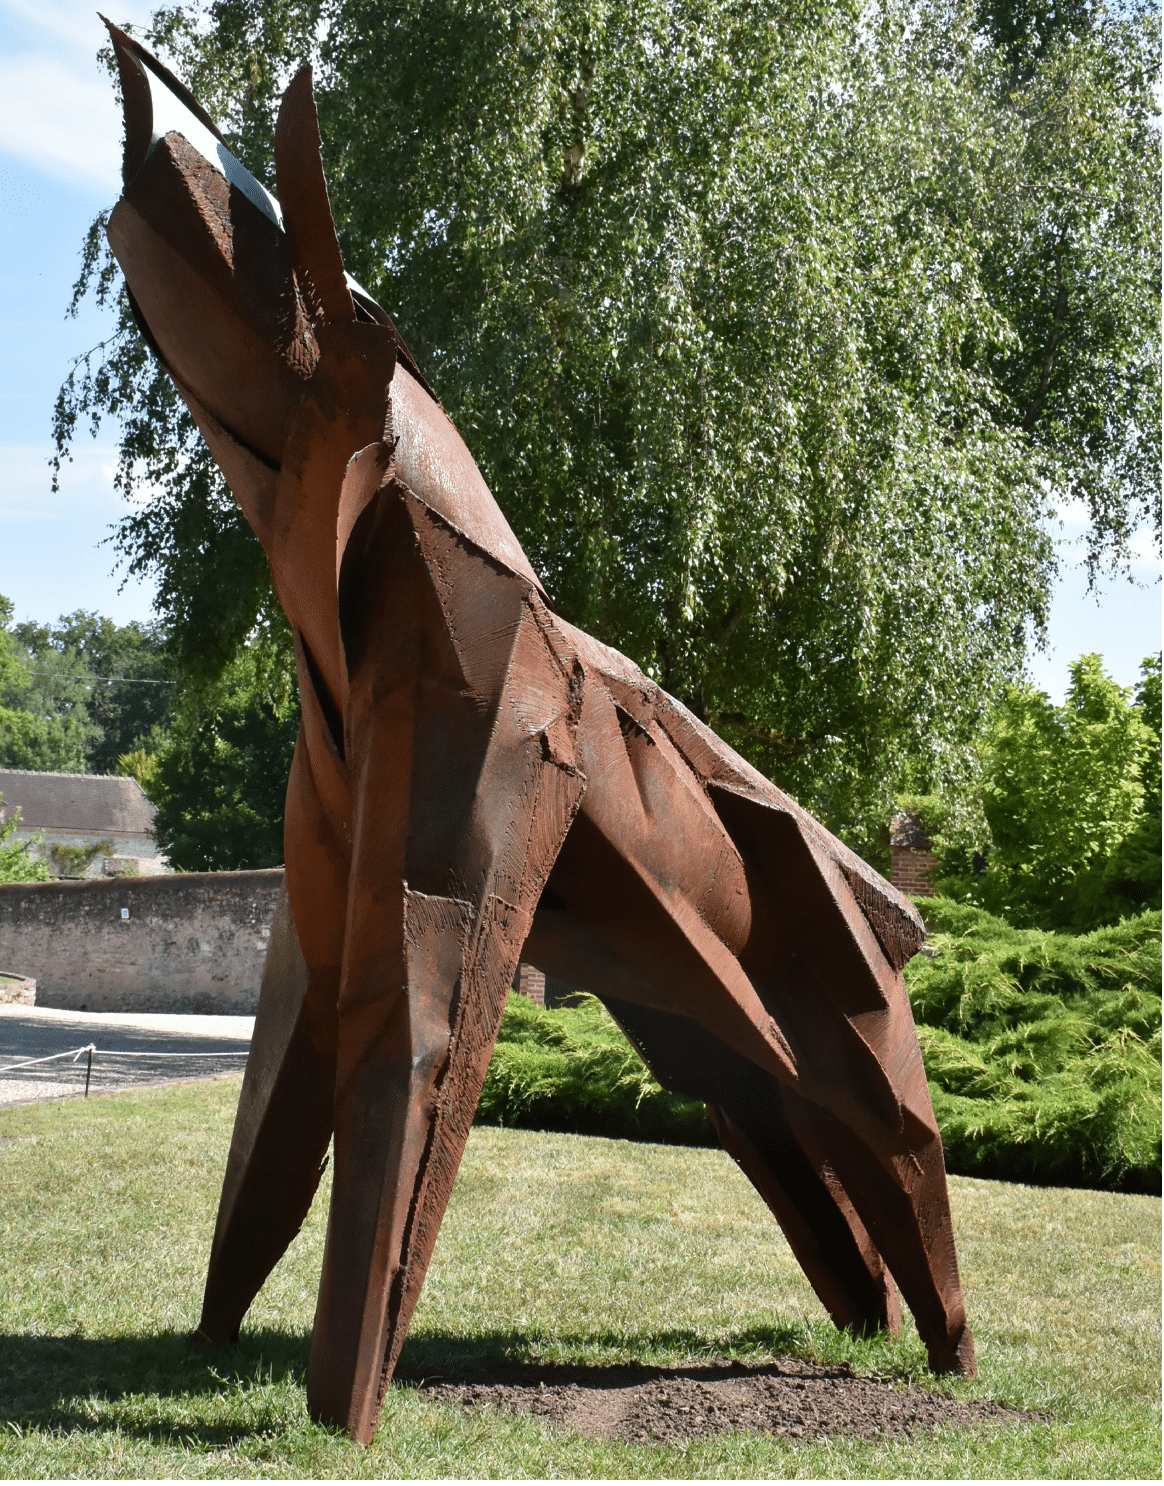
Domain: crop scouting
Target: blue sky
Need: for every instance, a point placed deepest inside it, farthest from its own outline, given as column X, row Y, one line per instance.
column 59, row 165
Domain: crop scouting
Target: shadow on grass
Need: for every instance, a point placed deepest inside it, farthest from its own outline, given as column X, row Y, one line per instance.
column 459, row 1359
column 69, row 1383
column 35, row 1369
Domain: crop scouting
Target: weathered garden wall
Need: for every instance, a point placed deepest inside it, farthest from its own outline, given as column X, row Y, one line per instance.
column 186, row 941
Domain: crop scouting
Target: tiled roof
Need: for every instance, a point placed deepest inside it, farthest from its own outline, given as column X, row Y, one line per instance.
column 76, row 802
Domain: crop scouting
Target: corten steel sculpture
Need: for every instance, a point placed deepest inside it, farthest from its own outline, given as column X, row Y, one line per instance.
column 476, row 780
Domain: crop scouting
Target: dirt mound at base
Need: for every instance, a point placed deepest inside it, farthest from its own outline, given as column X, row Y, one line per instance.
column 801, row 1400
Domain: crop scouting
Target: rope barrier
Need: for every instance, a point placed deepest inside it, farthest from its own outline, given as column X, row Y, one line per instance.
column 105, row 1052
column 74, row 1053
column 95, row 1052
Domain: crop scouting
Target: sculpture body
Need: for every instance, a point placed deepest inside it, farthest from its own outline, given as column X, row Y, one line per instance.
column 474, row 776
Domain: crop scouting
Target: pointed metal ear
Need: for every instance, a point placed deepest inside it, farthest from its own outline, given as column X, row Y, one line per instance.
column 307, row 218
column 137, row 98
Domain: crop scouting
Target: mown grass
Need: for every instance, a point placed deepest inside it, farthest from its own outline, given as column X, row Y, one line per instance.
column 555, row 1248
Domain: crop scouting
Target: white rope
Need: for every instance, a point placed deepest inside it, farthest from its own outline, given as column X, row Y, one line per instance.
column 74, row 1053
column 89, row 1047
column 241, row 1052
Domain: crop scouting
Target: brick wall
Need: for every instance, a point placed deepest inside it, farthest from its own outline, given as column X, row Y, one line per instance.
column 529, row 981
column 910, row 870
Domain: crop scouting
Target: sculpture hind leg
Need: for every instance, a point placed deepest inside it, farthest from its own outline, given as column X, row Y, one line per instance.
column 747, row 1108
column 284, row 1119
column 852, row 1216
column 895, row 1217
column 822, row 1228
column 904, row 1205
column 860, row 1094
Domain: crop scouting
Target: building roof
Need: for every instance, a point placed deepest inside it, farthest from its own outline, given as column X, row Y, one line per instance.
column 96, row 804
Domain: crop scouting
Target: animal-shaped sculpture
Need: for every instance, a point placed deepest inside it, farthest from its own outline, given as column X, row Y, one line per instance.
column 476, row 780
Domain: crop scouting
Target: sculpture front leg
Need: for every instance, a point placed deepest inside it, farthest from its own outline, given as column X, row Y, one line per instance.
column 461, row 803
column 285, row 1111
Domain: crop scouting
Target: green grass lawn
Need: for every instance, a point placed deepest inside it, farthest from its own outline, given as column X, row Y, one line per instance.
column 555, row 1248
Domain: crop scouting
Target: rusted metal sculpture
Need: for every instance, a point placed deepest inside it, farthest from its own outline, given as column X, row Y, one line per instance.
column 475, row 779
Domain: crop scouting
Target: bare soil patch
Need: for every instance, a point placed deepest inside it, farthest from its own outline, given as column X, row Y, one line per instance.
column 791, row 1397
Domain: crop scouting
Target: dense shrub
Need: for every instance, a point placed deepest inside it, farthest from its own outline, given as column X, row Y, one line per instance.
column 1069, row 838
column 1042, row 1051
column 572, row 1069
column 17, row 863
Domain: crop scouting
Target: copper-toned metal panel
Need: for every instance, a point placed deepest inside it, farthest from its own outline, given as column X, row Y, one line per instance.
column 473, row 775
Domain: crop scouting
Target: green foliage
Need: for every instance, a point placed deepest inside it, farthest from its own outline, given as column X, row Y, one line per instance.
column 219, row 779
column 212, row 755
column 17, row 863
column 572, row 1069
column 139, row 764
column 1131, row 875
column 136, row 682
column 44, row 723
column 772, row 328
column 1071, row 262
column 1042, row 1050
column 1072, row 805
column 77, row 694
column 75, row 861
column 43, row 743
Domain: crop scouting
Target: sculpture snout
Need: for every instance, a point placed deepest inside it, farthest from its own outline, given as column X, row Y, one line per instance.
column 204, row 244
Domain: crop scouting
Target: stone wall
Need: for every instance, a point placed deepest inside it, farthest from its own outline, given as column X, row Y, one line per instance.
column 183, row 942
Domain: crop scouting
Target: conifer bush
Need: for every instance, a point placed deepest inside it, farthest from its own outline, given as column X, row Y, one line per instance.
column 572, row 1069
column 1042, row 1051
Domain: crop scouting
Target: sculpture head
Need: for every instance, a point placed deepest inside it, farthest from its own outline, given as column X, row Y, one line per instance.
column 297, row 379
column 230, row 286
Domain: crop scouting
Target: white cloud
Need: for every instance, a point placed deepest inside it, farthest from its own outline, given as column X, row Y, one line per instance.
column 1074, row 513
column 87, row 489
column 61, row 123
column 76, row 24
column 1076, row 519
column 45, row 24
column 1145, row 557
column 58, row 109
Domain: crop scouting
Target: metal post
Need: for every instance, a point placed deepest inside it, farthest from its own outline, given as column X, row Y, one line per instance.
column 89, row 1070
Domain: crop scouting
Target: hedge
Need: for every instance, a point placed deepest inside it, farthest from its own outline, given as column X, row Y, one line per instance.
column 1042, row 1052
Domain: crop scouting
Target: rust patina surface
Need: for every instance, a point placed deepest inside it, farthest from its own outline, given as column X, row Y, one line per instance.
column 477, row 781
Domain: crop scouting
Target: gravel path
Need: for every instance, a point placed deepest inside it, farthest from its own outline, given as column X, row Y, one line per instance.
column 165, row 1048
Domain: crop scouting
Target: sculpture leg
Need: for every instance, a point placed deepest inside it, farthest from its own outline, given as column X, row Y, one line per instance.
column 462, row 793
column 412, row 1059
column 823, row 1230
column 284, row 1118
column 424, row 989
column 863, row 1098
column 904, row 1205
column 746, row 1105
